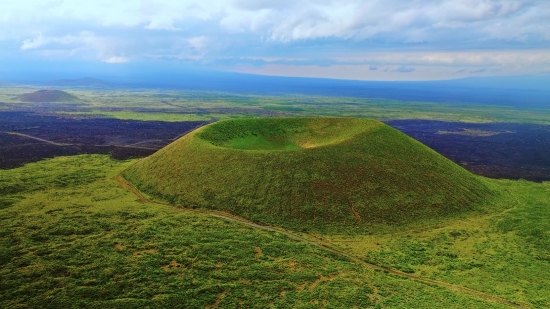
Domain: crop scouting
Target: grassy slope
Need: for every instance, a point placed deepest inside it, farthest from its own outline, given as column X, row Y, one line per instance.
column 380, row 172
column 504, row 253
column 71, row 238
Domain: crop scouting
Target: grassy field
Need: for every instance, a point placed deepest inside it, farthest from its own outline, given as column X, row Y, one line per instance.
column 200, row 105
column 504, row 253
column 70, row 237
column 130, row 115
column 310, row 173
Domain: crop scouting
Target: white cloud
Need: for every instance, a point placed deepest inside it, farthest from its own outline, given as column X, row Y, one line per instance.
column 198, row 43
column 405, row 21
column 84, row 43
column 452, row 58
column 419, row 65
column 34, row 43
column 161, row 24
column 288, row 20
column 116, row 60
column 382, row 73
column 353, row 32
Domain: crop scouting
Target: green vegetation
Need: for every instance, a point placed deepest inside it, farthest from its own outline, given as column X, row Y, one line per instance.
column 129, row 115
column 206, row 105
column 73, row 239
column 48, row 96
column 299, row 172
column 284, row 133
column 504, row 253
column 70, row 237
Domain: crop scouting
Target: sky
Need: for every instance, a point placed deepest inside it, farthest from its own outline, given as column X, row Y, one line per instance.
column 343, row 39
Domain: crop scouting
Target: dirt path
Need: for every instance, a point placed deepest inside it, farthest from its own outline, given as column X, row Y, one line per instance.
column 322, row 245
column 133, row 146
column 67, row 144
column 145, row 142
column 195, row 128
column 38, row 139
column 352, row 209
column 128, row 146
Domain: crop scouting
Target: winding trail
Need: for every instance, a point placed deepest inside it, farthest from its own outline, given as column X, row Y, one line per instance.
column 319, row 244
column 38, row 139
column 68, row 144
column 133, row 146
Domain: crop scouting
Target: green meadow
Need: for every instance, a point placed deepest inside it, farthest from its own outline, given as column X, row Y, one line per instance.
column 71, row 237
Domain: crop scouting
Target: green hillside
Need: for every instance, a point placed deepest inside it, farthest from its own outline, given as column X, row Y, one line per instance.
column 309, row 170
column 70, row 237
column 48, row 96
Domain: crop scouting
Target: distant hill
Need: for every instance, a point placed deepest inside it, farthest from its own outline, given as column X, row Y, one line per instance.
column 82, row 82
column 537, row 82
column 48, row 96
column 309, row 170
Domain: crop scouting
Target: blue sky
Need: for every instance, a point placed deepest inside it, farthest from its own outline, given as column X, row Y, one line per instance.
column 346, row 39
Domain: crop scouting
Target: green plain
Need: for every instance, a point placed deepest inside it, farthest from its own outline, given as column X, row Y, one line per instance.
column 167, row 105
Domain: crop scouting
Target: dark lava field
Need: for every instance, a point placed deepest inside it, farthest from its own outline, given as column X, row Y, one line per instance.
column 496, row 150
column 27, row 137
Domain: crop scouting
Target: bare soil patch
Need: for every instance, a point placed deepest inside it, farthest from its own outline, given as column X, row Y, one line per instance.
column 150, row 251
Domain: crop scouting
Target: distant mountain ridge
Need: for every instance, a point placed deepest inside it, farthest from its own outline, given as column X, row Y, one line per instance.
column 537, row 82
column 42, row 96
column 82, row 82
column 519, row 91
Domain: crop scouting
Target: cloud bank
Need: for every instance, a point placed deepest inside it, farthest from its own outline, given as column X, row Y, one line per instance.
column 283, row 37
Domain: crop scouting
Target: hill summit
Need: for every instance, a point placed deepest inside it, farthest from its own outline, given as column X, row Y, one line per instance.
column 308, row 170
column 42, row 96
